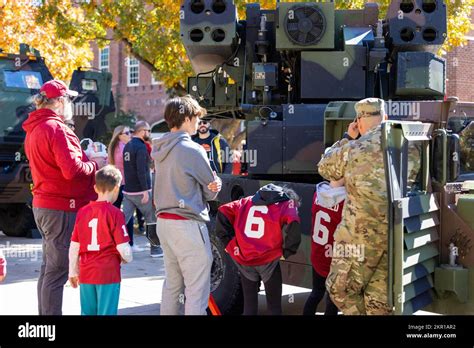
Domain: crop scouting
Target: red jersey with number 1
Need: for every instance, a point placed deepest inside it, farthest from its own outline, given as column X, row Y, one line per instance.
column 99, row 228
column 324, row 224
column 258, row 230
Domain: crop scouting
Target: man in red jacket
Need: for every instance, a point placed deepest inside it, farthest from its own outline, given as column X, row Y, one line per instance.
column 63, row 179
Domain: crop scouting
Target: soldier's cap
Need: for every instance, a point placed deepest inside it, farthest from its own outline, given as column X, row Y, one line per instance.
column 370, row 107
column 55, row 89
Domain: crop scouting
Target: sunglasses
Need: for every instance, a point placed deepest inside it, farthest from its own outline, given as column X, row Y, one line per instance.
column 203, row 122
column 126, row 133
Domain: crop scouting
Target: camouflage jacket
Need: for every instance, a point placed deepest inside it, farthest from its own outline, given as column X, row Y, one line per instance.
column 360, row 162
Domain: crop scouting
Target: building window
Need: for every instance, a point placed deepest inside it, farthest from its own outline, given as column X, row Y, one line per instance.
column 104, row 59
column 133, row 72
column 154, row 81
column 158, row 83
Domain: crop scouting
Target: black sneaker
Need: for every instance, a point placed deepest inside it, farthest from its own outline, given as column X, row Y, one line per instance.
column 156, row 251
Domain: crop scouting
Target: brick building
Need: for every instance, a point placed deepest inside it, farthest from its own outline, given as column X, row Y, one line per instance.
column 134, row 87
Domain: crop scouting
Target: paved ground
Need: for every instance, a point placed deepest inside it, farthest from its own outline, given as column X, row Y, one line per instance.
column 140, row 289
column 142, row 281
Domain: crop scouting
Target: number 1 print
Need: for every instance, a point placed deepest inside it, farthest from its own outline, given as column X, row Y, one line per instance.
column 94, row 246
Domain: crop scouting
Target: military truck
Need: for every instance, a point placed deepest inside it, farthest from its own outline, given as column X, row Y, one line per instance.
column 21, row 76
column 293, row 74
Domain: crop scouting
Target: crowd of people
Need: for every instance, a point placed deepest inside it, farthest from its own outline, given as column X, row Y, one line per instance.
column 84, row 205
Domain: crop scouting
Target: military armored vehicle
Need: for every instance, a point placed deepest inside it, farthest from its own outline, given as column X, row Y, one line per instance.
column 293, row 73
column 21, row 76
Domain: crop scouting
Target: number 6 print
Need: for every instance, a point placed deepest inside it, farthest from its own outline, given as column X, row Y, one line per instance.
column 321, row 232
column 255, row 220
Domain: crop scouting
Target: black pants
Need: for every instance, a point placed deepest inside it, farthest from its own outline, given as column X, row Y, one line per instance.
column 56, row 228
column 317, row 294
column 118, row 204
column 272, row 290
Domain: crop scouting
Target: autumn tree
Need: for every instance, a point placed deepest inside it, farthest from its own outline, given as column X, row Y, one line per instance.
column 63, row 54
column 150, row 28
column 63, row 29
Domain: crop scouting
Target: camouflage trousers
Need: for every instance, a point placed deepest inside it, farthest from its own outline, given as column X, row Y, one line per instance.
column 359, row 285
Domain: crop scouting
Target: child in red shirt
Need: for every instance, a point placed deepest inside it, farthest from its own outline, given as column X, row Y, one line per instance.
column 326, row 212
column 99, row 244
column 253, row 229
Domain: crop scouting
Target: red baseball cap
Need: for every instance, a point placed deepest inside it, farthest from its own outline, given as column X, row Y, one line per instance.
column 55, row 89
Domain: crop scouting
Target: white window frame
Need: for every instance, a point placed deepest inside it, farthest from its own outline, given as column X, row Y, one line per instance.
column 154, row 81
column 104, row 67
column 132, row 64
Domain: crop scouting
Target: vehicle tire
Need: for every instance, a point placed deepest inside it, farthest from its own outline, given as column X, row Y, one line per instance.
column 16, row 220
column 225, row 279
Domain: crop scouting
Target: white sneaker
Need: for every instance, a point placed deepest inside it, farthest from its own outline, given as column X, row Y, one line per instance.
column 136, row 249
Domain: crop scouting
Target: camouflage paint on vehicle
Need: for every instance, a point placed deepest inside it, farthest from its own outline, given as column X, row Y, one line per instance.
column 21, row 76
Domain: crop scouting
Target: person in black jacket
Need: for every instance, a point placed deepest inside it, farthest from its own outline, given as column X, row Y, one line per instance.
column 137, row 190
column 216, row 147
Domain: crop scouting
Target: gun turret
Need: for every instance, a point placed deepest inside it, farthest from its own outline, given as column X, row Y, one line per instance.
column 416, row 23
column 294, row 72
column 208, row 31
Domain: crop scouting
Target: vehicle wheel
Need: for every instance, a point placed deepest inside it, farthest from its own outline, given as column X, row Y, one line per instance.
column 225, row 279
column 16, row 220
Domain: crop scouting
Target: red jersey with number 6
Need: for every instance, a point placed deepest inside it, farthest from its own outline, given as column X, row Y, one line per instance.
column 258, row 230
column 99, row 228
column 324, row 223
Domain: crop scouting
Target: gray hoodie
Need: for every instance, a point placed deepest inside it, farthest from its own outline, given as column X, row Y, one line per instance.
column 328, row 196
column 182, row 173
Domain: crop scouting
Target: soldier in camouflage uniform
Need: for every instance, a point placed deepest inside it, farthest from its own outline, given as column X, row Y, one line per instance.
column 358, row 283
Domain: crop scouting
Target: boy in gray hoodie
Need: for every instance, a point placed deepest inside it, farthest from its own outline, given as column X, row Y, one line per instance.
column 184, row 182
